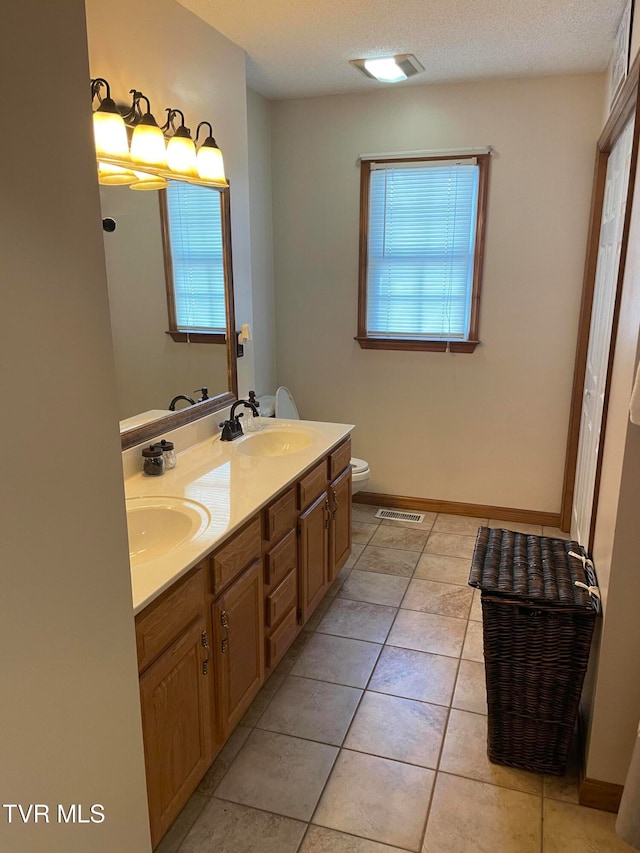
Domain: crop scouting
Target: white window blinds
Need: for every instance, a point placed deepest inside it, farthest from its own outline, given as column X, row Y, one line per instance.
column 195, row 234
column 421, row 241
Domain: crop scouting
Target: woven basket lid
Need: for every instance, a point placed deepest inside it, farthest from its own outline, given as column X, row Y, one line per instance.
column 532, row 568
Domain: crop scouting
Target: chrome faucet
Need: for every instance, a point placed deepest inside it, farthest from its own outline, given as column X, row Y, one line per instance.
column 172, row 404
column 232, row 429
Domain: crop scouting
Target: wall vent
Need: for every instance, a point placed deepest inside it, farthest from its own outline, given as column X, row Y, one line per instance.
column 399, row 515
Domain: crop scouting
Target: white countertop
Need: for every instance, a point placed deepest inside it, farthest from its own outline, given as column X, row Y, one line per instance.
column 231, row 485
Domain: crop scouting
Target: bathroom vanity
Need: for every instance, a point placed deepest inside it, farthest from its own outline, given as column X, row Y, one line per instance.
column 216, row 613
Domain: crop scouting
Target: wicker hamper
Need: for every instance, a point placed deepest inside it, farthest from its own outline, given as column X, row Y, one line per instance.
column 537, row 628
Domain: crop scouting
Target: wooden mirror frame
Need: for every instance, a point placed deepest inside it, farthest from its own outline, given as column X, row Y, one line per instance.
column 153, row 429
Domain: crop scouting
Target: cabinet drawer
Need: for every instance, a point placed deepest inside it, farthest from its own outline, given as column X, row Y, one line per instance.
column 313, row 485
column 164, row 619
column 232, row 558
column 280, row 516
column 279, row 561
column 283, row 598
column 339, row 459
column 281, row 639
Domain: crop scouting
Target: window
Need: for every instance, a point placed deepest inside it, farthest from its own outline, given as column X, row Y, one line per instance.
column 421, row 245
column 197, row 249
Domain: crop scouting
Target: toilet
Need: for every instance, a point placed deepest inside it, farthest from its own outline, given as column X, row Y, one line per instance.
column 284, row 406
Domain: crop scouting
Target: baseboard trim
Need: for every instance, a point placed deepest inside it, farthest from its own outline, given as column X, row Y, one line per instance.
column 525, row 516
column 595, row 794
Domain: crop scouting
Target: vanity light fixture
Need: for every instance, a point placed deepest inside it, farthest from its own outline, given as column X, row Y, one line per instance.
column 155, row 154
column 209, row 157
column 181, row 149
column 110, row 136
column 389, row 69
column 147, row 143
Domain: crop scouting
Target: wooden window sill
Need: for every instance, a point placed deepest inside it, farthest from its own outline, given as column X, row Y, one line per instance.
column 197, row 337
column 416, row 344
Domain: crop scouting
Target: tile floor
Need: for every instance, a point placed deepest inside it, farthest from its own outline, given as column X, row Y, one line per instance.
column 370, row 737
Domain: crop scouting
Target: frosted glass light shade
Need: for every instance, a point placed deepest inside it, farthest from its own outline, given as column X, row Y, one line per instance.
column 109, row 175
column 386, row 70
column 210, row 163
column 144, row 181
column 110, row 133
column 181, row 153
column 147, row 143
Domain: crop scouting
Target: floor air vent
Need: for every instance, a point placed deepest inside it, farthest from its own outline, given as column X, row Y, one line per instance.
column 399, row 515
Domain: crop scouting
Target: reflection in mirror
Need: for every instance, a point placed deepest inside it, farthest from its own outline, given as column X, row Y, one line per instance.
column 169, row 280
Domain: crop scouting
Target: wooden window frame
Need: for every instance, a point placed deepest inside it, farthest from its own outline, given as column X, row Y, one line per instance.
column 367, row 341
column 174, row 331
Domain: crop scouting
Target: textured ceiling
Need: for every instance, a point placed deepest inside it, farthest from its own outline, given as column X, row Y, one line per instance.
column 299, row 48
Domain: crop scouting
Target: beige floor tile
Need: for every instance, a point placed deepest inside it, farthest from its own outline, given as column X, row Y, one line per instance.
column 451, row 545
column 428, row 632
column 319, row 839
column 338, row 583
column 263, row 698
column 358, row 620
column 374, row 587
column 555, row 533
column 225, row 827
column 315, row 710
column 569, row 828
column 391, row 807
column 354, row 556
column 279, row 774
column 400, row 537
column 336, row 659
column 465, row 754
column 361, row 532
column 182, row 824
column 364, row 512
column 471, row 690
column 436, row 567
column 476, row 607
column 517, row 526
column 232, row 747
column 291, row 656
column 473, row 648
column 415, row 675
column 402, row 729
column 435, row 597
column 318, row 614
column 388, row 561
column 473, row 817
column 463, row 524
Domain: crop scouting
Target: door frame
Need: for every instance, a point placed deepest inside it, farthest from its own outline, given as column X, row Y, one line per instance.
column 624, row 108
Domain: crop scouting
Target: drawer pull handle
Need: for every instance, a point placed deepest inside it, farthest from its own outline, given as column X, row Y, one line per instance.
column 225, row 645
column 203, row 639
column 335, row 503
column 327, row 514
column 224, row 619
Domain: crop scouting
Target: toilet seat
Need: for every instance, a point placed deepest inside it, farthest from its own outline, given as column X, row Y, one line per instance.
column 285, row 405
column 359, row 467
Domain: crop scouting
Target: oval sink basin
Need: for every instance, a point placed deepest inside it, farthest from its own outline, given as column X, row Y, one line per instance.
column 158, row 525
column 276, row 442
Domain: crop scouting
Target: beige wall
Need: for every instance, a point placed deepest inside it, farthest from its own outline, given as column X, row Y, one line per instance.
column 484, row 428
column 179, row 61
column 69, row 715
column 615, row 703
column 264, row 326
column 151, row 368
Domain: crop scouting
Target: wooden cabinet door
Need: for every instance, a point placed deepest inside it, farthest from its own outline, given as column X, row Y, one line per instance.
column 238, row 627
column 340, row 529
column 176, row 725
column 313, row 528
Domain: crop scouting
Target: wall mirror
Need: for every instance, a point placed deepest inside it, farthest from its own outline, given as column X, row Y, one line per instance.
column 169, row 272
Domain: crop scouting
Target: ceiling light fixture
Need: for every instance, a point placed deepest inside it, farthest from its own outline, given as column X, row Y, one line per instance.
column 389, row 69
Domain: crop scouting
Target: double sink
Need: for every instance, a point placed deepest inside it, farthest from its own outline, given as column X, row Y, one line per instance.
column 159, row 525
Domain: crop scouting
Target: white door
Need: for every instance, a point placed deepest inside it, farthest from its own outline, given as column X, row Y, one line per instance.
column 613, row 210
